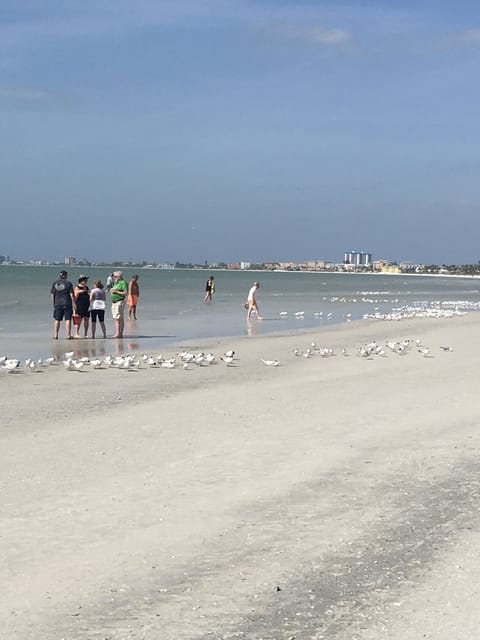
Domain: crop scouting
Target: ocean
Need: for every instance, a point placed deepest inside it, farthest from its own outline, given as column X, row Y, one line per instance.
column 171, row 310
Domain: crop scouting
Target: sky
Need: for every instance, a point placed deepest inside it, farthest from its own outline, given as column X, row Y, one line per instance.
column 240, row 130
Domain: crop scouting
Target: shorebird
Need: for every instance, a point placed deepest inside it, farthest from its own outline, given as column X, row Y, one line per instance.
column 283, row 314
column 11, row 363
column 229, row 354
column 424, row 351
column 210, row 358
column 372, row 346
column 227, row 359
column 326, row 352
column 363, row 352
column 446, row 348
column 68, row 364
column 392, row 345
column 271, row 363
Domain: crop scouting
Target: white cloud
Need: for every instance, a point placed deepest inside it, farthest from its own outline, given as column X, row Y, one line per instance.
column 468, row 39
column 26, row 94
column 316, row 36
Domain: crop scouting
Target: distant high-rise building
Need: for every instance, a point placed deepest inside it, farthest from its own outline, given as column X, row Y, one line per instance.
column 358, row 258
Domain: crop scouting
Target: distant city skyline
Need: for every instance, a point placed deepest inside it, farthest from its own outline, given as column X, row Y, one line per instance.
column 352, row 260
column 253, row 130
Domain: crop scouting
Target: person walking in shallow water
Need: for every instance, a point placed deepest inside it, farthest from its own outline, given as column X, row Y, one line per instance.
column 62, row 296
column 133, row 295
column 252, row 302
column 209, row 289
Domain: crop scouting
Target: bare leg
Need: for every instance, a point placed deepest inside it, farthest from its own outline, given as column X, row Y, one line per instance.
column 94, row 329
column 119, row 325
column 85, row 327
column 102, row 324
column 68, row 328
column 56, row 328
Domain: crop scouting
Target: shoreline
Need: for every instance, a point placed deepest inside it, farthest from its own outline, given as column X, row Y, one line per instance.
column 99, row 347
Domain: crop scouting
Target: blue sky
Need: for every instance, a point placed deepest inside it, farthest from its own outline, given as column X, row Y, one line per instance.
column 226, row 130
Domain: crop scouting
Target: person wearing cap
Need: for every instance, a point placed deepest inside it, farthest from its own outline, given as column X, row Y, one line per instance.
column 62, row 296
column 118, row 295
column 82, row 306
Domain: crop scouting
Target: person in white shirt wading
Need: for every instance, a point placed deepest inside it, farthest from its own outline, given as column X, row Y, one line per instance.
column 252, row 302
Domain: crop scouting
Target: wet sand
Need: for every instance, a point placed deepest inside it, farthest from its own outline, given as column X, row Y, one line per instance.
column 329, row 497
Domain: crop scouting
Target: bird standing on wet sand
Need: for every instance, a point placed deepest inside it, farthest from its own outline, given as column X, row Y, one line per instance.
column 271, row 363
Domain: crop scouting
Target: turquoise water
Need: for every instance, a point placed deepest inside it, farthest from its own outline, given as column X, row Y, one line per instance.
column 171, row 308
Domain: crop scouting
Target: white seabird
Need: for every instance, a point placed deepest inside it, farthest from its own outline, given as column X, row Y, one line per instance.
column 424, row 351
column 271, row 363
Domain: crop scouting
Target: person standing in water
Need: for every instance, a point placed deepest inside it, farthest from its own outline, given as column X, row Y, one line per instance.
column 133, row 295
column 118, row 295
column 82, row 306
column 98, row 299
column 63, row 298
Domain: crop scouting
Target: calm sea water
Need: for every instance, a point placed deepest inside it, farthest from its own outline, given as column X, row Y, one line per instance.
column 171, row 308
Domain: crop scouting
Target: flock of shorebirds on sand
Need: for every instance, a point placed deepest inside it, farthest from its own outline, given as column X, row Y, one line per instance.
column 188, row 359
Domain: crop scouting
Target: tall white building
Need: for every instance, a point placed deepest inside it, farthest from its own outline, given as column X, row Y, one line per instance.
column 358, row 258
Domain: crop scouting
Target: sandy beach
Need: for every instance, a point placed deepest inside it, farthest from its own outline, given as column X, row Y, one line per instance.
column 329, row 497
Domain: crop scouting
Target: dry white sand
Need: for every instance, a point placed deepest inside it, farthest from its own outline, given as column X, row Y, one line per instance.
column 325, row 498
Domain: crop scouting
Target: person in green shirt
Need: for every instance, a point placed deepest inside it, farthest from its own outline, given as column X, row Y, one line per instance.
column 118, row 295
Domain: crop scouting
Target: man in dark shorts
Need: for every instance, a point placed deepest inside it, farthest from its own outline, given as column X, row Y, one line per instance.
column 62, row 300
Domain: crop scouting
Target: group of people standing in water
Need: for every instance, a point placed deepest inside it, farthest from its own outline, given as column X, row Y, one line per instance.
column 85, row 307
column 81, row 305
